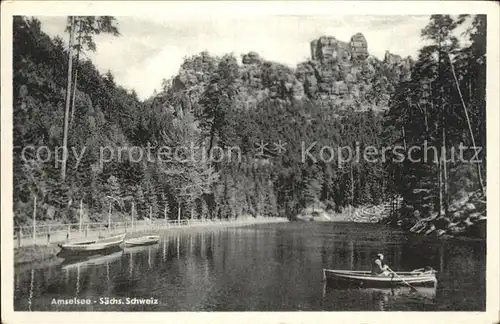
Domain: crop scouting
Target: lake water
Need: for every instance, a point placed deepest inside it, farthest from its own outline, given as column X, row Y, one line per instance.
column 267, row 267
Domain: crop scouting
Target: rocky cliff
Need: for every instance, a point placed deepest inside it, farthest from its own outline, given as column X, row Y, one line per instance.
column 345, row 73
column 339, row 75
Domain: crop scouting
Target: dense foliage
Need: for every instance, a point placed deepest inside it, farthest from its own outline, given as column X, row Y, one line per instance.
column 443, row 107
column 272, row 114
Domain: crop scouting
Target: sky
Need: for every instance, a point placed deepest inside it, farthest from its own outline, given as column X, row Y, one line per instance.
column 152, row 48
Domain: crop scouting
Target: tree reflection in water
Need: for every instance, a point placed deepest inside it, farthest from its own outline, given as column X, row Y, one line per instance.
column 262, row 268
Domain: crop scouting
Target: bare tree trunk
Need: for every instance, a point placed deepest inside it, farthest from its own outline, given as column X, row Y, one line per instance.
column 445, row 174
column 468, row 123
column 441, row 123
column 440, row 185
column 68, row 99
column 76, row 74
column 352, row 187
column 74, row 96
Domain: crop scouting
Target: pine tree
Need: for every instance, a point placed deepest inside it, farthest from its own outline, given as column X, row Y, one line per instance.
column 71, row 31
column 312, row 192
column 84, row 28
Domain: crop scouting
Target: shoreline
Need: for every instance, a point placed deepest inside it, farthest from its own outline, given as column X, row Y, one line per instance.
column 46, row 253
column 359, row 214
column 355, row 216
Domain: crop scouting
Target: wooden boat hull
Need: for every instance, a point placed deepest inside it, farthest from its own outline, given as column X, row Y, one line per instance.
column 342, row 278
column 145, row 240
column 94, row 246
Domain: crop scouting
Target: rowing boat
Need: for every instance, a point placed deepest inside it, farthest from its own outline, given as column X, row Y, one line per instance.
column 143, row 240
column 367, row 279
column 111, row 242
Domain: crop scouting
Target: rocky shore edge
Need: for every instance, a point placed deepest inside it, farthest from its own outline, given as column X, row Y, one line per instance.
column 361, row 214
column 466, row 218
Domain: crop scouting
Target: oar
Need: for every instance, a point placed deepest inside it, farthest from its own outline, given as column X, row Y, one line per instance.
column 412, row 288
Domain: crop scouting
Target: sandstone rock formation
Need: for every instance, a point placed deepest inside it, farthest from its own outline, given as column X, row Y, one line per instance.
column 329, row 49
column 390, row 58
column 338, row 75
column 359, row 47
column 251, row 58
column 400, row 67
column 347, row 71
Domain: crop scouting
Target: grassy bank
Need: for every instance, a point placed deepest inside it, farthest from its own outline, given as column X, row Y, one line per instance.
column 47, row 253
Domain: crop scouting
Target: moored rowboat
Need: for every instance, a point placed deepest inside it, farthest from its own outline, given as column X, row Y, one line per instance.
column 143, row 240
column 366, row 279
column 93, row 245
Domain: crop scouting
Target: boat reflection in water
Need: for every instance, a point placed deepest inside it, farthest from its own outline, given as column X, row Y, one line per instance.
column 275, row 267
column 81, row 263
column 131, row 251
column 76, row 261
column 387, row 298
column 137, row 249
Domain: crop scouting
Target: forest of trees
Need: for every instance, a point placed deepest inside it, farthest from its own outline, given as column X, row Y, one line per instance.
column 61, row 99
column 443, row 106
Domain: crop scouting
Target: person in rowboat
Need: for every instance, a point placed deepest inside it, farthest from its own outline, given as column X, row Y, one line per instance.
column 379, row 268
